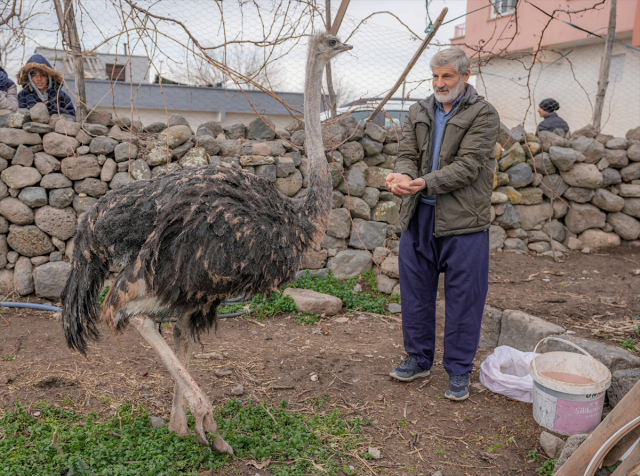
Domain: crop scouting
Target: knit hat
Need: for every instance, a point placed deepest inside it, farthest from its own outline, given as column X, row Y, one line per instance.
column 549, row 105
column 40, row 63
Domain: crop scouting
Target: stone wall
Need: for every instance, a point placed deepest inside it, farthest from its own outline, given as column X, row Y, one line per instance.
column 576, row 193
column 53, row 169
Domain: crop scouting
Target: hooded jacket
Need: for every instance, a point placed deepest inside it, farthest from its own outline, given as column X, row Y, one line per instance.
column 58, row 101
column 463, row 181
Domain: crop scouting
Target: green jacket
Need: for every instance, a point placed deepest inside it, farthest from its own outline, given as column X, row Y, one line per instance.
column 463, row 181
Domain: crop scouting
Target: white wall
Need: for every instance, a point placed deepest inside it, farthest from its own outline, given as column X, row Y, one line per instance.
column 504, row 84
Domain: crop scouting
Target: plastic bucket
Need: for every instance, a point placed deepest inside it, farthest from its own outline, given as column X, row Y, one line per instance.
column 568, row 408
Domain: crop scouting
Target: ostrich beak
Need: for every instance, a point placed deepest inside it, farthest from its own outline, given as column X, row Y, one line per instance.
column 344, row 47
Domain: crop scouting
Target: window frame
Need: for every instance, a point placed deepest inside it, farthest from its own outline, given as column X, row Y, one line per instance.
column 510, row 9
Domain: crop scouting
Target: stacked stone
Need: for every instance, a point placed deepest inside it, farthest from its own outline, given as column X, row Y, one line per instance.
column 553, row 194
column 53, row 169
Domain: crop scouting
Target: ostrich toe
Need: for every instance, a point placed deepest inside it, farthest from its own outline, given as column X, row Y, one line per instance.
column 206, row 424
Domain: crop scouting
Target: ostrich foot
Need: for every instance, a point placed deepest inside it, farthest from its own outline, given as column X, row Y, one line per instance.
column 196, row 400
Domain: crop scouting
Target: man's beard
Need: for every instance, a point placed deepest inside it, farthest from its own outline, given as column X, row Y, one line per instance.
column 448, row 96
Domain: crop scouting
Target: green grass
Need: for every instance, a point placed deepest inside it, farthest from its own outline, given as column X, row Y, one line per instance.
column 493, row 448
column 91, row 448
column 628, row 344
column 532, row 456
column 307, row 318
column 370, row 300
column 547, row 467
column 103, row 295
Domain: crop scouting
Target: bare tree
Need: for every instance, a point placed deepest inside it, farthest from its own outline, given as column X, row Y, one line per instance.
column 343, row 90
column 249, row 63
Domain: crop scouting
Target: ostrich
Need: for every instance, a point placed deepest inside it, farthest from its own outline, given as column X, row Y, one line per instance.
column 190, row 239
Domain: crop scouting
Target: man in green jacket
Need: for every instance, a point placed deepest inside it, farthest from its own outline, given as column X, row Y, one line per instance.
column 444, row 174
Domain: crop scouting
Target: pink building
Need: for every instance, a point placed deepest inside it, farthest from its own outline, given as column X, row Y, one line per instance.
column 503, row 38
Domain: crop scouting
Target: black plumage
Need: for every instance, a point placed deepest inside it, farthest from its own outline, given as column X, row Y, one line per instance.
column 186, row 240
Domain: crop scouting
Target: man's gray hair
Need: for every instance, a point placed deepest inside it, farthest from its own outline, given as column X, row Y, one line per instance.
column 454, row 57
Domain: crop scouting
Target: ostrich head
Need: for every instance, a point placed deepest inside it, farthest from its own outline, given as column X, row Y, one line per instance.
column 326, row 46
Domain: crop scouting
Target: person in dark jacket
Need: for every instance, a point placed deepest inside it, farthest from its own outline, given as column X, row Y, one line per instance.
column 42, row 83
column 550, row 120
column 444, row 174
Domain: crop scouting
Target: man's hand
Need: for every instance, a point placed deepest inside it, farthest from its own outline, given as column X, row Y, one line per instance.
column 401, row 184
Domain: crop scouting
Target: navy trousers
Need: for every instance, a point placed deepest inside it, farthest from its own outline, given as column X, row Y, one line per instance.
column 464, row 260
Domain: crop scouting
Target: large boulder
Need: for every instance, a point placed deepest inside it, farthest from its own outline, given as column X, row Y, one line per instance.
column 17, row 176
column 262, row 128
column 350, row 263
column 29, row 241
column 385, row 212
column 16, row 211
column 549, row 139
column 50, row 279
column 627, row 227
column 583, row 175
column 497, row 235
column 510, row 218
column 45, row 163
column 352, row 152
column 289, row 185
column 622, row 381
column 523, row 331
column 78, row 168
column 314, row 302
column 339, row 223
column 22, row 277
column 582, row 216
column 632, row 207
column 353, row 183
column 532, row 215
column 552, row 185
column 15, row 137
column 520, row 175
column 54, row 180
column 377, row 178
column 631, row 172
column 616, row 159
column 57, row 222
column 175, row 136
column 59, row 145
column 579, row 195
column 595, row 239
column 564, row 157
column 367, row 234
column 608, row 201
column 592, row 150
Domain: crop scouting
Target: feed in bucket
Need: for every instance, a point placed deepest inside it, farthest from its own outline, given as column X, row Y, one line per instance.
column 568, row 390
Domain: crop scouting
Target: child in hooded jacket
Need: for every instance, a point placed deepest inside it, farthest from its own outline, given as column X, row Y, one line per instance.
column 42, row 83
column 8, row 93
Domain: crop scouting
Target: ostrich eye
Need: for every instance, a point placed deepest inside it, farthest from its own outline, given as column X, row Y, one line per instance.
column 332, row 42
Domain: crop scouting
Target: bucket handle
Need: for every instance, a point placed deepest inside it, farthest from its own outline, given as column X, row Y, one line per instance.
column 533, row 361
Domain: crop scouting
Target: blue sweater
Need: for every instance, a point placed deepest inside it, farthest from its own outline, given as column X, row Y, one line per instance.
column 59, row 101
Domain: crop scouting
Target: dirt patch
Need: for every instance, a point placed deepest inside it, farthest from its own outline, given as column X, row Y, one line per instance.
column 485, row 435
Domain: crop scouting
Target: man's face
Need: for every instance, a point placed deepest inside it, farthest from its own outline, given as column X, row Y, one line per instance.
column 542, row 112
column 40, row 79
column 448, row 84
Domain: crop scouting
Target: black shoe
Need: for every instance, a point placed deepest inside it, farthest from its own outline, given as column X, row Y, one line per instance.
column 409, row 370
column 458, row 387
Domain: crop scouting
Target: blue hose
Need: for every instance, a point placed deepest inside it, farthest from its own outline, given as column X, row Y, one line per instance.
column 31, row 305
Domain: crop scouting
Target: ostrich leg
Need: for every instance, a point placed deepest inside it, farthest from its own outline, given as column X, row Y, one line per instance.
column 197, row 401
column 183, row 347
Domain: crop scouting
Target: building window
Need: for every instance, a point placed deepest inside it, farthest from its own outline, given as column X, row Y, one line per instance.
column 503, row 7
column 116, row 72
column 459, row 30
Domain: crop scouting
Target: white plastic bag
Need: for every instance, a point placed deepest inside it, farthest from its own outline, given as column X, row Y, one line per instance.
column 506, row 371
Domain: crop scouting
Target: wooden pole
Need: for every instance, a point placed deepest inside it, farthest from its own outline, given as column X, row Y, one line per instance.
column 605, row 64
column 67, row 22
column 332, row 93
column 342, row 10
column 411, row 64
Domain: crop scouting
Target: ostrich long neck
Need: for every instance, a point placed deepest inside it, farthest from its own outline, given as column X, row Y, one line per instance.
column 317, row 204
